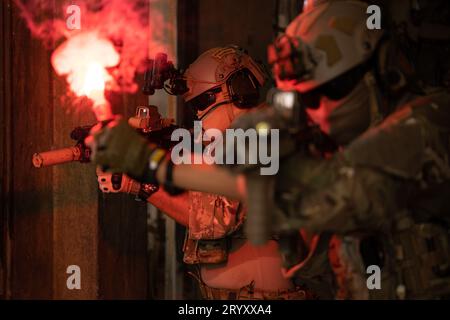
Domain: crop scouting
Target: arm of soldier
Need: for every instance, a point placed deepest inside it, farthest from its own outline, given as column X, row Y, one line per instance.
column 176, row 207
column 117, row 148
column 205, row 178
column 332, row 195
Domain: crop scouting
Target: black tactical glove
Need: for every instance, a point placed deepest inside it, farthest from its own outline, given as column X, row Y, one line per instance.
column 118, row 148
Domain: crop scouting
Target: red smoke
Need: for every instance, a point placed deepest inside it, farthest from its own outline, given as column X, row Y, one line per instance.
column 84, row 59
column 110, row 48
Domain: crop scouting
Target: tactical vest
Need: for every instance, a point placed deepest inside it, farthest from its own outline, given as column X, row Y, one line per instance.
column 213, row 220
column 417, row 262
column 391, row 184
column 415, row 244
column 413, row 259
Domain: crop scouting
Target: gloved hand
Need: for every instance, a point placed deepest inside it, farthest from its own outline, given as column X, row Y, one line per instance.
column 116, row 183
column 118, row 148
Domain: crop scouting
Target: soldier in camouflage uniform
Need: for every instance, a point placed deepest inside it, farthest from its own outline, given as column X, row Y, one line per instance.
column 229, row 266
column 381, row 198
column 384, row 194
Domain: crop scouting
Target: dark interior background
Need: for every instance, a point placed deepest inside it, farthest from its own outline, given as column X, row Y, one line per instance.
column 55, row 217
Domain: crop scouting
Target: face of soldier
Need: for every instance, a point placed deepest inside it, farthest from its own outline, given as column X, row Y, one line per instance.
column 344, row 119
column 220, row 117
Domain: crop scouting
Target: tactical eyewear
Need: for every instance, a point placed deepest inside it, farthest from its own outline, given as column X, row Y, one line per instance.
column 335, row 89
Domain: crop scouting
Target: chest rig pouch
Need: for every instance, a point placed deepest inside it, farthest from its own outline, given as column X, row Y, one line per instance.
column 213, row 221
column 421, row 259
column 205, row 251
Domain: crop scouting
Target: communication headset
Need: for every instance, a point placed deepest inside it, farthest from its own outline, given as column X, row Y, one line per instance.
column 243, row 89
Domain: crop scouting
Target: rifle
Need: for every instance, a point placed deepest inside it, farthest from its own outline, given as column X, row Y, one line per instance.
column 147, row 121
column 297, row 133
column 160, row 74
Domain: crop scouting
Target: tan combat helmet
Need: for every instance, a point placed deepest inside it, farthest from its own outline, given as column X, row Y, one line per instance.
column 321, row 44
column 223, row 75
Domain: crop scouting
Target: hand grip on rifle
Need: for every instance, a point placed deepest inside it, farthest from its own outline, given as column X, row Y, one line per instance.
column 121, row 183
column 258, row 227
column 116, row 183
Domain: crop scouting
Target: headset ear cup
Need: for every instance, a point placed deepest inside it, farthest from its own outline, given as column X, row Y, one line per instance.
column 243, row 89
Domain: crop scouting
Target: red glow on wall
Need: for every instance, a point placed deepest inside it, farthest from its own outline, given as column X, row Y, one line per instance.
column 113, row 44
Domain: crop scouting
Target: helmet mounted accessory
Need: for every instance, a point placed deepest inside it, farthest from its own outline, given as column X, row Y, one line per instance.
column 289, row 59
column 224, row 75
column 326, row 51
column 162, row 74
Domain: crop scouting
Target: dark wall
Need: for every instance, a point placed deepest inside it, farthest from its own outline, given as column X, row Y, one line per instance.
column 51, row 218
column 204, row 24
column 26, row 197
column 245, row 23
column 54, row 217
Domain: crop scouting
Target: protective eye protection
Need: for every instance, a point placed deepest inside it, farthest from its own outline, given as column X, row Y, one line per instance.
column 243, row 91
column 204, row 100
column 336, row 89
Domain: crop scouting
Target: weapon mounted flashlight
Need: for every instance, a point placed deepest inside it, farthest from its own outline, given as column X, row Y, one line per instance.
column 287, row 104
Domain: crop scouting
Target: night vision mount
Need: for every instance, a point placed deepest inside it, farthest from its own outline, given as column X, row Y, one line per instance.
column 162, row 74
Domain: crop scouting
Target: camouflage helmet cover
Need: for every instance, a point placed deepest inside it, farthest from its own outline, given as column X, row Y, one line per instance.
column 322, row 44
column 215, row 66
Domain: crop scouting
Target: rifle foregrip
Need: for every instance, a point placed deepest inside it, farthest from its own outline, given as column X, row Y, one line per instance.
column 258, row 226
column 60, row 156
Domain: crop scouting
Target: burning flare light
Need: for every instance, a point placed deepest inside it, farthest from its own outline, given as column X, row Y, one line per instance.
column 84, row 59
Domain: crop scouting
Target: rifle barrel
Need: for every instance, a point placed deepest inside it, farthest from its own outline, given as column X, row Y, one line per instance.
column 53, row 157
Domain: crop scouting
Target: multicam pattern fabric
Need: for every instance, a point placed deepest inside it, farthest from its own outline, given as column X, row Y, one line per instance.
column 391, row 183
column 212, row 216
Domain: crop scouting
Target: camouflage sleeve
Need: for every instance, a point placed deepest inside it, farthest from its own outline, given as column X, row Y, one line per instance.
column 335, row 196
column 372, row 179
